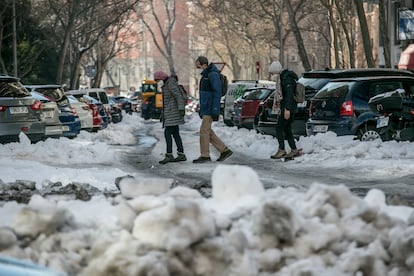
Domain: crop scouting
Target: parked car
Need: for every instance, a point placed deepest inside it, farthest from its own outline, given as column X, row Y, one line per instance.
column 126, row 104
column 245, row 108
column 19, row 112
column 68, row 116
column 83, row 111
column 50, row 113
column 313, row 81
column 116, row 111
column 236, row 90
column 192, row 105
column 265, row 121
column 391, row 117
column 97, row 109
column 340, row 102
column 137, row 97
column 15, row 267
column 100, row 95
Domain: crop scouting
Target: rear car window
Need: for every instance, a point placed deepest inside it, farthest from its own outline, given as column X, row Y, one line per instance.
column 103, row 97
column 13, row 89
column 382, row 87
column 55, row 94
column 334, row 90
column 259, row 94
column 314, row 83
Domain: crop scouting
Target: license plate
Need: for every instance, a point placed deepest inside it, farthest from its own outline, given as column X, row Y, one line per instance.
column 320, row 128
column 48, row 114
column 382, row 121
column 18, row 110
column 65, row 128
column 302, row 104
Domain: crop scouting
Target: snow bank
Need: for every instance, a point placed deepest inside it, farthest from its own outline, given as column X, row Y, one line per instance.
column 241, row 230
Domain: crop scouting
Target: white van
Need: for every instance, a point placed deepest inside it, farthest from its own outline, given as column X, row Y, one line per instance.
column 237, row 89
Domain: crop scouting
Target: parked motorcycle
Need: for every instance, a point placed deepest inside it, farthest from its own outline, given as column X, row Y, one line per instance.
column 392, row 117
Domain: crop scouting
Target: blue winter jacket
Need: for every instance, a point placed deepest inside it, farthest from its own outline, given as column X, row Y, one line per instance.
column 210, row 91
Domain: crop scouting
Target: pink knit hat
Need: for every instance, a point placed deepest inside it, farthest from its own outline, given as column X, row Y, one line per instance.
column 160, row 75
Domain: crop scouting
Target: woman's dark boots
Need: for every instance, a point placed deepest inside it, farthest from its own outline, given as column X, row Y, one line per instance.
column 170, row 158
column 181, row 157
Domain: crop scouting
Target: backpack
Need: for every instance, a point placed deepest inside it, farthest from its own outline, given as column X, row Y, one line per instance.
column 290, row 77
column 299, row 92
column 224, row 84
column 183, row 93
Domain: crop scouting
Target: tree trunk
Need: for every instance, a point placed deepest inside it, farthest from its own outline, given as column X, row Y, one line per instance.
column 76, row 70
column 334, row 33
column 66, row 41
column 349, row 41
column 384, row 33
column 99, row 73
column 301, row 47
column 366, row 38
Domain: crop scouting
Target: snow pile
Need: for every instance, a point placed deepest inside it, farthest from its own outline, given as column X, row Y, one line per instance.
column 241, row 230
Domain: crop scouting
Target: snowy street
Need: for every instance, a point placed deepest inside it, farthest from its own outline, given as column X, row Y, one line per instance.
column 340, row 209
column 335, row 162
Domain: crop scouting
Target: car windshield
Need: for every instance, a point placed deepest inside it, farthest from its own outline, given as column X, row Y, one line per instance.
column 259, row 94
column 149, row 88
column 90, row 99
column 314, row 83
column 13, row 89
column 334, row 90
column 72, row 99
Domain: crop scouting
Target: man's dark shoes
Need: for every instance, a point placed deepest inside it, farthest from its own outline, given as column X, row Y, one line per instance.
column 180, row 157
column 225, row 154
column 168, row 158
column 202, row 159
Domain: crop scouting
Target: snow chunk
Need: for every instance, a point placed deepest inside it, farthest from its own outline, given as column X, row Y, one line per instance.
column 234, row 187
column 7, row 238
column 175, row 225
column 40, row 216
column 376, row 198
column 132, row 187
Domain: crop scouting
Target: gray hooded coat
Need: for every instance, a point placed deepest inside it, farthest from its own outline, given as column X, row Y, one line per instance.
column 173, row 103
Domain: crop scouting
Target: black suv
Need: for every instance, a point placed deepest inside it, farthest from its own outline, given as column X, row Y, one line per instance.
column 338, row 105
column 313, row 81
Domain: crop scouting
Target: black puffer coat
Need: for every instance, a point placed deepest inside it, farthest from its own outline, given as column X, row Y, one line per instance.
column 288, row 83
column 173, row 103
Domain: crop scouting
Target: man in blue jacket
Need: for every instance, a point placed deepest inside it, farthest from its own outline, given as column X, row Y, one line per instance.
column 210, row 94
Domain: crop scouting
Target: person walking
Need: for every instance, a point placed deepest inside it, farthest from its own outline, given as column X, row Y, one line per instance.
column 285, row 106
column 173, row 111
column 210, row 94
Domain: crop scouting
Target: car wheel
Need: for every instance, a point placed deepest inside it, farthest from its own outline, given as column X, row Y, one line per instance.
column 368, row 133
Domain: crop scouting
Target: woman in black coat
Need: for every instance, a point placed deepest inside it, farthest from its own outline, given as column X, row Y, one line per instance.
column 285, row 106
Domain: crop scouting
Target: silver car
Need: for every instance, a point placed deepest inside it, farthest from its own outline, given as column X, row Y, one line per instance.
column 19, row 112
column 84, row 113
column 50, row 112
